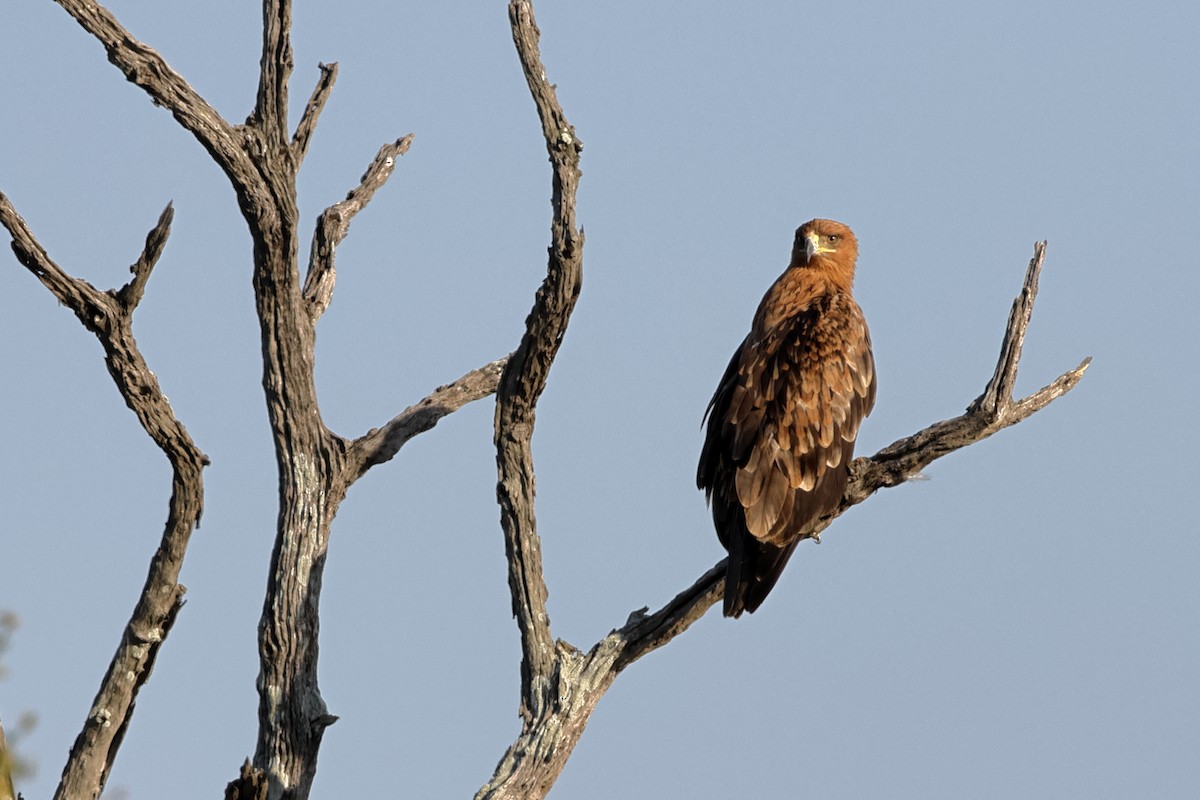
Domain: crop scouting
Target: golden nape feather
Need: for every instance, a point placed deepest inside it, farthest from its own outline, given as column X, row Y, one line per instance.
column 782, row 424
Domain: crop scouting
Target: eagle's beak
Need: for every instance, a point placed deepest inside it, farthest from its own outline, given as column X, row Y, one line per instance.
column 812, row 245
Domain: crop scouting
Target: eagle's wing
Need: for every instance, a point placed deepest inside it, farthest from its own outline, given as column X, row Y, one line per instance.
column 781, row 433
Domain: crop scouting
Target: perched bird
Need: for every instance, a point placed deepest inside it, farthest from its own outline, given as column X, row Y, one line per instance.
column 782, row 423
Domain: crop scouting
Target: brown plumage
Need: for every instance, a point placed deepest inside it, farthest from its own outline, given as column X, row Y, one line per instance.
column 782, row 423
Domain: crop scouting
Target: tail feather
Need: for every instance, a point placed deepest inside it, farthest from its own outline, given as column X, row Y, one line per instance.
column 735, row 584
column 752, row 571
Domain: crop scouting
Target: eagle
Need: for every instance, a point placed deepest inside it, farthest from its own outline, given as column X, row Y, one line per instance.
column 781, row 426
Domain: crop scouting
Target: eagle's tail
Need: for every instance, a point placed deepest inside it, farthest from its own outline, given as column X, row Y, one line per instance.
column 753, row 569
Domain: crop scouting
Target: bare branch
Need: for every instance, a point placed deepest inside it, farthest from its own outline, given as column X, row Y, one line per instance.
column 644, row 633
column 1021, row 409
column 334, row 224
column 550, row 674
column 380, row 445
column 560, row 685
column 525, row 377
column 1000, row 388
column 271, row 110
column 559, row 134
column 78, row 295
column 308, row 121
column 537, row 757
column 261, row 161
column 146, row 68
column 894, row 464
column 131, row 293
column 109, row 315
column 992, row 411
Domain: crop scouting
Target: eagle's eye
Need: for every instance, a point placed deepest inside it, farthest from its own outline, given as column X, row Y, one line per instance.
column 833, row 238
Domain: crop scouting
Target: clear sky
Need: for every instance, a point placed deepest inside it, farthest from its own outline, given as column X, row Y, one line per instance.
column 1025, row 623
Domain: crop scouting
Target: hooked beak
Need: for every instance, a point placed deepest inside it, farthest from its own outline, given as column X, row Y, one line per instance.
column 812, row 245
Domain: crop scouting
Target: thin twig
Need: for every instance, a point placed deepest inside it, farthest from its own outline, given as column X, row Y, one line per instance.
column 380, row 445
column 131, row 293
column 334, row 224
column 312, row 111
column 999, row 390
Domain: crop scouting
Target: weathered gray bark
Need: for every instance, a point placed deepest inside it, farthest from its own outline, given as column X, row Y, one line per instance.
column 109, row 316
column 315, row 465
column 560, row 684
column 527, row 372
column 574, row 681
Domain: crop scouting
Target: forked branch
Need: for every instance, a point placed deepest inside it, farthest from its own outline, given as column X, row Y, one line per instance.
column 261, row 160
column 560, row 685
column 900, row 461
column 537, row 757
column 109, row 315
column 992, row 411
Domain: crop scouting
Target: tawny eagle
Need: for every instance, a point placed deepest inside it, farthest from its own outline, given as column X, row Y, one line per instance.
column 782, row 424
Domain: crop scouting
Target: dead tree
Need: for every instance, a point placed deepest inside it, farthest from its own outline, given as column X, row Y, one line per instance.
column 559, row 683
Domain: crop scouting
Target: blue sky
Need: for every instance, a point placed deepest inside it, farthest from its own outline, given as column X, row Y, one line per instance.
column 1025, row 623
